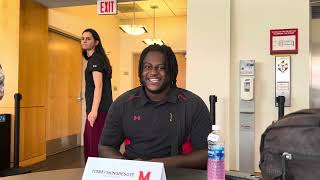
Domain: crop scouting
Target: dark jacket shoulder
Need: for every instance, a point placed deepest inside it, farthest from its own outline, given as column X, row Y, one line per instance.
column 188, row 96
column 125, row 97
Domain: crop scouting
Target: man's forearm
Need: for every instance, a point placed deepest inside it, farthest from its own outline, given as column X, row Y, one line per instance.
column 195, row 160
column 109, row 152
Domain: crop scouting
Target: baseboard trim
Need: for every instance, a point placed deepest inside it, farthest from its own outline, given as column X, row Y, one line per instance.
column 31, row 161
column 55, row 146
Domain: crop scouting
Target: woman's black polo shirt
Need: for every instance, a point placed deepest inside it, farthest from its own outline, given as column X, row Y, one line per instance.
column 150, row 129
column 97, row 63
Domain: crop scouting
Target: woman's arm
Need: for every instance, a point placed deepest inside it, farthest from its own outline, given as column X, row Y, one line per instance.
column 98, row 85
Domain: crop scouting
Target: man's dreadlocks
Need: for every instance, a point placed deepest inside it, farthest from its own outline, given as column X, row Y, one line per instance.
column 170, row 61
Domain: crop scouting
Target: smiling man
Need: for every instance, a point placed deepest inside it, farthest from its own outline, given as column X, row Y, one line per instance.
column 158, row 121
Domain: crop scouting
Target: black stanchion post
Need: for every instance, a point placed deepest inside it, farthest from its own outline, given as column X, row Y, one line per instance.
column 17, row 98
column 280, row 100
column 16, row 169
column 213, row 100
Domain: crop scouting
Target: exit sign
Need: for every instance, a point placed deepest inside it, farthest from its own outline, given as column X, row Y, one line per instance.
column 106, row 7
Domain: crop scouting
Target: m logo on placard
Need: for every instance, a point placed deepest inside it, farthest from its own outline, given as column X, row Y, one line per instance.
column 146, row 177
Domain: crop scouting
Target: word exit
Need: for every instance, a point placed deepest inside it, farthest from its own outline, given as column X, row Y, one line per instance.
column 106, row 7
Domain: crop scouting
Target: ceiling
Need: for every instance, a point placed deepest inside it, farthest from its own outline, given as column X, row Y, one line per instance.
column 166, row 8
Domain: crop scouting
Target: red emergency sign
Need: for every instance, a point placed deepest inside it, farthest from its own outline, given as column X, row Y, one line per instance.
column 107, row 7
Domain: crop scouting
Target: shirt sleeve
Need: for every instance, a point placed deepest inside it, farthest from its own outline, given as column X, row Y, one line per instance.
column 112, row 133
column 201, row 125
column 96, row 63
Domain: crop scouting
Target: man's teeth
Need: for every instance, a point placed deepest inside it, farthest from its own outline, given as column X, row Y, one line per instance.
column 154, row 80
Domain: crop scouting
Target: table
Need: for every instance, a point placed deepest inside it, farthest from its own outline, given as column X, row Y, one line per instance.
column 76, row 174
column 171, row 173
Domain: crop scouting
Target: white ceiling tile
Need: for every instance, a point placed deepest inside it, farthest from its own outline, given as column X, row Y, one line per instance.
column 122, row 16
column 177, row 4
column 162, row 9
column 137, row 15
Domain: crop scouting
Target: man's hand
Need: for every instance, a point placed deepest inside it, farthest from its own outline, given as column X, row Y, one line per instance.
column 168, row 161
column 195, row 160
column 109, row 152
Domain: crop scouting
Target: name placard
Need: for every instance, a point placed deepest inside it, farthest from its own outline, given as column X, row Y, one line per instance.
column 110, row 169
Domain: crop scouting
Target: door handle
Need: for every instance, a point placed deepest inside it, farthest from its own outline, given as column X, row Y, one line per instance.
column 80, row 98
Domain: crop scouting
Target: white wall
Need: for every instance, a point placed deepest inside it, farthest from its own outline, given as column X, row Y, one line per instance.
column 208, row 48
column 251, row 22
column 208, row 57
column 315, row 53
column 170, row 29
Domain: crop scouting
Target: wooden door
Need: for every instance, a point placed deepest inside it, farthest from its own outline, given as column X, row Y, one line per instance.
column 181, row 78
column 64, row 87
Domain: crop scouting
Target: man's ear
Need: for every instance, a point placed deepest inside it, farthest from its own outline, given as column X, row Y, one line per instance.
column 97, row 42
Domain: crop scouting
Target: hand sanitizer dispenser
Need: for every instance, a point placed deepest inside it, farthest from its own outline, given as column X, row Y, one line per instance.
column 246, row 91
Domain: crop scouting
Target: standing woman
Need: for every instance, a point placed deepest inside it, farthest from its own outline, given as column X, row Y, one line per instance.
column 98, row 92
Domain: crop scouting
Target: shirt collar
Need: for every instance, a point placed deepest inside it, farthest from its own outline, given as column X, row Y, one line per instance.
column 144, row 98
column 172, row 97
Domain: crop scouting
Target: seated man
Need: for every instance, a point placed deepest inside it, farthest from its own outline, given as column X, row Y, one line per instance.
column 158, row 121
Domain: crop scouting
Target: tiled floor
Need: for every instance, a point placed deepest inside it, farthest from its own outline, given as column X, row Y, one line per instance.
column 72, row 158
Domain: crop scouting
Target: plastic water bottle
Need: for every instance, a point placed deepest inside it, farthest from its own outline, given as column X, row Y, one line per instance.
column 215, row 168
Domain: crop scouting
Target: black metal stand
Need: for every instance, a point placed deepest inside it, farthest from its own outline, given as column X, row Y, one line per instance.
column 213, row 100
column 17, row 98
column 280, row 100
column 16, row 169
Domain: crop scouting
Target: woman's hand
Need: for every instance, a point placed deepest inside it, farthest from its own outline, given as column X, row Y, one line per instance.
column 92, row 116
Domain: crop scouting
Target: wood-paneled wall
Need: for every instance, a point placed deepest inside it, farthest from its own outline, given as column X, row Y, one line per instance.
column 33, row 70
column 33, row 53
column 32, row 142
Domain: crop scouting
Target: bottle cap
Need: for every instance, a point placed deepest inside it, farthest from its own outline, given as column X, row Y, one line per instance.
column 215, row 128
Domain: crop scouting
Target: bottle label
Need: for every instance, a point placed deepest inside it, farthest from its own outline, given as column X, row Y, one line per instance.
column 216, row 152
column 213, row 137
